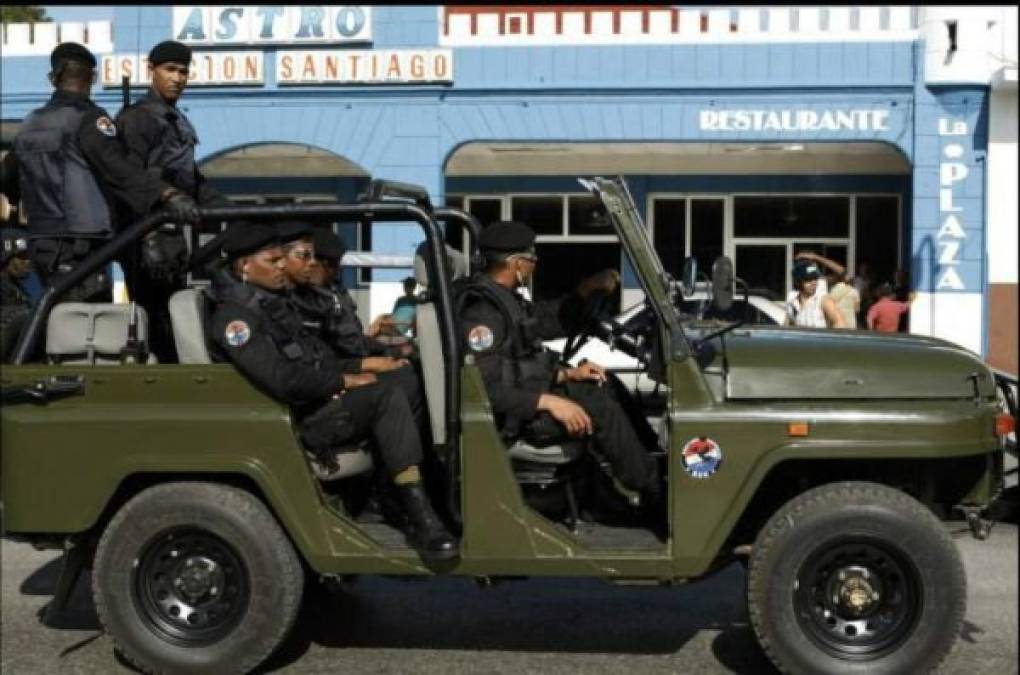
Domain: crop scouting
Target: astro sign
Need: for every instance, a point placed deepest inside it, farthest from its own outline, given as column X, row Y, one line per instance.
column 272, row 24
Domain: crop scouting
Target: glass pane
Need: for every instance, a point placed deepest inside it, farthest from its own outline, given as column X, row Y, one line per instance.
column 487, row 211
column 670, row 218
column 877, row 238
column 455, row 201
column 561, row 267
column 762, row 267
column 706, row 232
column 543, row 214
column 791, row 217
column 586, row 215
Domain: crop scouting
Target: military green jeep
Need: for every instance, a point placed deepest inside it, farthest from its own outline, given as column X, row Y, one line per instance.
column 822, row 460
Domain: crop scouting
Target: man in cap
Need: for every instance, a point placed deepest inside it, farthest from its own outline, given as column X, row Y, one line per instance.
column 528, row 388
column 806, row 306
column 255, row 327
column 72, row 174
column 160, row 137
column 312, row 257
column 14, row 303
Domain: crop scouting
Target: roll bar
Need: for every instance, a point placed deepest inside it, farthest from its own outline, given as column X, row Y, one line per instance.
column 374, row 211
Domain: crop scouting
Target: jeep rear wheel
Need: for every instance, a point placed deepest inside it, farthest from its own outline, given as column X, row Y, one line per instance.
column 196, row 578
column 855, row 578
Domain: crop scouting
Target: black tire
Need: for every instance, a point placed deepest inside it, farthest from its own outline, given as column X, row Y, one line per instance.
column 855, row 577
column 245, row 595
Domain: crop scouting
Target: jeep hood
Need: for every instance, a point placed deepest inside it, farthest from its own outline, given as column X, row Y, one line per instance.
column 787, row 363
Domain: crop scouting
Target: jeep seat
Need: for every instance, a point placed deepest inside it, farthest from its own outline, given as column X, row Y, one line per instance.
column 92, row 333
column 188, row 309
column 430, row 341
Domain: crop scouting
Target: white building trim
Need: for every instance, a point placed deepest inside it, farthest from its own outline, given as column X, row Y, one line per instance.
column 39, row 39
column 687, row 25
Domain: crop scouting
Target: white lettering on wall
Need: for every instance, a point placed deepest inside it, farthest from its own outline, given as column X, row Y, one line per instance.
column 794, row 120
column 951, row 234
column 272, row 24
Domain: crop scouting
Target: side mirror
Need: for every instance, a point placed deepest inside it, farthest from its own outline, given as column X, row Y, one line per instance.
column 722, row 284
column 689, row 277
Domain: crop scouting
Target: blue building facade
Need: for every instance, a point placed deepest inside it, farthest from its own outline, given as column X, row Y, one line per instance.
column 714, row 127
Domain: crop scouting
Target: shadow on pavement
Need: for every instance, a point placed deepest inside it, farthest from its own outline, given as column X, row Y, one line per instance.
column 564, row 615
column 79, row 614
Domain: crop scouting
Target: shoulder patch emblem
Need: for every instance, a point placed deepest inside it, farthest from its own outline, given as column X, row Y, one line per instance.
column 480, row 338
column 106, row 126
column 701, row 457
column 237, row 333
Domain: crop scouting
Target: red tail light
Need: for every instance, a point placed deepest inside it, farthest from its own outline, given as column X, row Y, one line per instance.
column 1004, row 424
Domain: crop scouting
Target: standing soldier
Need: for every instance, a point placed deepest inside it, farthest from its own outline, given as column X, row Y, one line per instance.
column 14, row 304
column 71, row 172
column 159, row 137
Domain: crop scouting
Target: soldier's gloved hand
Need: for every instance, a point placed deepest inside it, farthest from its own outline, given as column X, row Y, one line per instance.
column 182, row 208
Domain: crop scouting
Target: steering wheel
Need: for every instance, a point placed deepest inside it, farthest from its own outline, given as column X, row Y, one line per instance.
column 596, row 307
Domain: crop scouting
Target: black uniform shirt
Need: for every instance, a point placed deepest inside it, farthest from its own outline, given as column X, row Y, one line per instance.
column 484, row 331
column 143, row 133
column 121, row 179
column 262, row 334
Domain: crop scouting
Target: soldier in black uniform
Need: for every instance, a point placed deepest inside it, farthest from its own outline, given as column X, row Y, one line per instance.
column 14, row 303
column 312, row 257
column 72, row 174
column 527, row 386
column 159, row 136
column 256, row 328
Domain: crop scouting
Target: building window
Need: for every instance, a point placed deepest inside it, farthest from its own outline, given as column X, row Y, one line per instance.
column 586, row 216
column 793, row 216
column 542, row 213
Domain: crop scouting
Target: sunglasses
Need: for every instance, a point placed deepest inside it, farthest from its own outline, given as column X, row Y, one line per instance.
column 301, row 253
column 531, row 258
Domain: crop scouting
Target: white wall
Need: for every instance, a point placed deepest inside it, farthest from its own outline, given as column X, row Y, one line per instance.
column 1002, row 187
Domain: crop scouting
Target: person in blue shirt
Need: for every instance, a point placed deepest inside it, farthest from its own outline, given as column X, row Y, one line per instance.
column 405, row 308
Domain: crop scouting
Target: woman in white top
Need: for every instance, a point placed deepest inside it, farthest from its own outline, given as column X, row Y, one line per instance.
column 809, row 306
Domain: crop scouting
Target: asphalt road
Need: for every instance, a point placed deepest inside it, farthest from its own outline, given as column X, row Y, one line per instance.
column 451, row 626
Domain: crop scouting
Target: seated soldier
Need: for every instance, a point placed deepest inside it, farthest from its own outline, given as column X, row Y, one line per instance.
column 525, row 383
column 312, row 258
column 258, row 330
column 14, row 306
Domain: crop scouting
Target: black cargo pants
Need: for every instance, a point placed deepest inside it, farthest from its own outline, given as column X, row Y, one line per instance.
column 616, row 434
column 379, row 411
column 408, row 380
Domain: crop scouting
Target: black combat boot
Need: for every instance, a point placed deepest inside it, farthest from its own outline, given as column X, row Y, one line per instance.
column 425, row 531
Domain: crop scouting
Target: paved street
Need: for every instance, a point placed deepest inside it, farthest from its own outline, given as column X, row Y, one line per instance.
column 537, row 626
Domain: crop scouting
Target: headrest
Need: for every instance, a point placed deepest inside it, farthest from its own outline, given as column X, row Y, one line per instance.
column 81, row 328
column 455, row 261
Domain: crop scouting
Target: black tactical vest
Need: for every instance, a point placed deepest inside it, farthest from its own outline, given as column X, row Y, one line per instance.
column 174, row 154
column 526, row 362
column 62, row 197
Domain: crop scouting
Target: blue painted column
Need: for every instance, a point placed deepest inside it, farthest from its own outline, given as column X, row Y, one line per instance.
column 948, row 239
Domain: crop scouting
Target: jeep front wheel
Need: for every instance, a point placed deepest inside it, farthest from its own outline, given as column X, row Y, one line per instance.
column 197, row 578
column 855, row 578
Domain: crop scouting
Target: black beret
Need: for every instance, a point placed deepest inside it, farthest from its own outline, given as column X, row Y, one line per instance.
column 247, row 238
column 328, row 245
column 290, row 230
column 170, row 50
column 507, row 236
column 71, row 51
column 15, row 242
